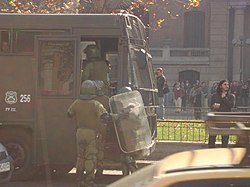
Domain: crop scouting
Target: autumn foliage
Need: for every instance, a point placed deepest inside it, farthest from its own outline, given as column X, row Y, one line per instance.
column 142, row 8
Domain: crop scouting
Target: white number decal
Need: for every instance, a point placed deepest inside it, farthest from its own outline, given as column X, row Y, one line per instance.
column 25, row 98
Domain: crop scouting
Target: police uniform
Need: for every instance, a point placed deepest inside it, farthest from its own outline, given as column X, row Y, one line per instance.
column 104, row 100
column 87, row 112
column 96, row 68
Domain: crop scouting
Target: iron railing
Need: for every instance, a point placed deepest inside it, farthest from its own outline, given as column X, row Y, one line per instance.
column 181, row 125
column 181, row 130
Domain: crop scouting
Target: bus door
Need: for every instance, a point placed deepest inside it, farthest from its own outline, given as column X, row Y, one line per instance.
column 57, row 86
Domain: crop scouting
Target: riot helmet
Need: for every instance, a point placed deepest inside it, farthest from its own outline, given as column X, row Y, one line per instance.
column 92, row 87
column 92, row 52
column 88, row 87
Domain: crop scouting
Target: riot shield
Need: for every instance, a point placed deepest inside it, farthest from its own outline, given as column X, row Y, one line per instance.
column 133, row 132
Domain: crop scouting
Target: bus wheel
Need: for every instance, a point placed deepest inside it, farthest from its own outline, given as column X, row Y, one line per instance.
column 18, row 145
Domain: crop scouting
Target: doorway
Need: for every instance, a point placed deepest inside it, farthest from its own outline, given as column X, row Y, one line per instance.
column 190, row 75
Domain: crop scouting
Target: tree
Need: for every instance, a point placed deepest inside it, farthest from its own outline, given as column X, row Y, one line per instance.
column 142, row 8
column 39, row 6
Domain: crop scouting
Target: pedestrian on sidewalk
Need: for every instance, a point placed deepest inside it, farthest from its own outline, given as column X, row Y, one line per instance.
column 160, row 86
column 221, row 101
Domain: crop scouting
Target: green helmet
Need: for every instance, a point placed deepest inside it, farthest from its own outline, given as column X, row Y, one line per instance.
column 92, row 87
column 88, row 87
column 92, row 52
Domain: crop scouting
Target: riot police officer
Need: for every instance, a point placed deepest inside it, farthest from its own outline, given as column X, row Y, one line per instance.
column 88, row 113
column 90, row 116
column 96, row 68
column 104, row 100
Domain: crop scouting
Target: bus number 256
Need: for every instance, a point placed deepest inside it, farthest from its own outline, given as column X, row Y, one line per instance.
column 25, row 98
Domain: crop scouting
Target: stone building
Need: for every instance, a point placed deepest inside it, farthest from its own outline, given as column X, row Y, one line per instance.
column 207, row 43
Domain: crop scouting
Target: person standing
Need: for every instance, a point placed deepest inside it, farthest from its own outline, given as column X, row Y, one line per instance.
column 184, row 97
column 244, row 95
column 160, row 86
column 221, row 101
column 96, row 68
column 204, row 95
column 88, row 123
column 197, row 102
column 178, row 94
column 187, row 88
column 103, row 127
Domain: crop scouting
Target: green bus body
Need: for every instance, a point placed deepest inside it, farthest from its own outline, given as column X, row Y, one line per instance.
column 44, row 52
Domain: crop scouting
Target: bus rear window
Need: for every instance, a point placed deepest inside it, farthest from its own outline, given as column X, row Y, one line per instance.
column 24, row 39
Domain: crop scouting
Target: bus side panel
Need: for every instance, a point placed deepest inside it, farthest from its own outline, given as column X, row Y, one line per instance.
column 17, row 96
column 56, row 144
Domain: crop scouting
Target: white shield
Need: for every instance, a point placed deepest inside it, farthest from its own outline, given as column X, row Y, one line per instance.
column 133, row 132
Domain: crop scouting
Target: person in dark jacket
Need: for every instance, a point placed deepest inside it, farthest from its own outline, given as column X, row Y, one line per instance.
column 160, row 85
column 197, row 102
column 244, row 95
column 221, row 101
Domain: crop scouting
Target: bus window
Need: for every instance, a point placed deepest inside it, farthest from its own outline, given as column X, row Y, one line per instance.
column 56, row 67
column 141, row 76
column 139, row 68
column 24, row 39
column 136, row 35
column 5, row 41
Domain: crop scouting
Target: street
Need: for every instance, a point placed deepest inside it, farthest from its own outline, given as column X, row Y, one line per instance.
column 63, row 180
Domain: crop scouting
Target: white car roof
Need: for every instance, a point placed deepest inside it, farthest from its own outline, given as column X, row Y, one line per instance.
column 202, row 158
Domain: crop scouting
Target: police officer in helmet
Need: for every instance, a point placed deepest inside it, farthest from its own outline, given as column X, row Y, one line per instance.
column 88, row 113
column 96, row 68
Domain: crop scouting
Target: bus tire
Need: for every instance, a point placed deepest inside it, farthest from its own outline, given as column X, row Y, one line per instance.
column 19, row 147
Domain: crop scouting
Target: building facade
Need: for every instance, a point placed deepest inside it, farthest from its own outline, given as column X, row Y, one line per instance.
column 207, row 43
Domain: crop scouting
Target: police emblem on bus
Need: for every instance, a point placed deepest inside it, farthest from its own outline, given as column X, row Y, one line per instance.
column 11, row 97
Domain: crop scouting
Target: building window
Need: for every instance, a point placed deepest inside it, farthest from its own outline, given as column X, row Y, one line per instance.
column 156, row 53
column 194, row 29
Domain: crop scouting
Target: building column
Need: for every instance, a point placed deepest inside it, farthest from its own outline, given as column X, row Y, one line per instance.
column 239, row 15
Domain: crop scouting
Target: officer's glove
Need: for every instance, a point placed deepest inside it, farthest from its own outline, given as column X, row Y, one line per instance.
column 106, row 118
column 109, row 118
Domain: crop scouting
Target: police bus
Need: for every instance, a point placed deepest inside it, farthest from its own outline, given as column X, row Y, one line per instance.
column 41, row 58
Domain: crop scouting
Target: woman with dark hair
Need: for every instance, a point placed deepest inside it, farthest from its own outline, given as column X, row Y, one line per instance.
column 221, row 101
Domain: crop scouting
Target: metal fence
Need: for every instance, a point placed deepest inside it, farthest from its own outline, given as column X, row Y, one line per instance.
column 183, row 126
column 181, row 130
